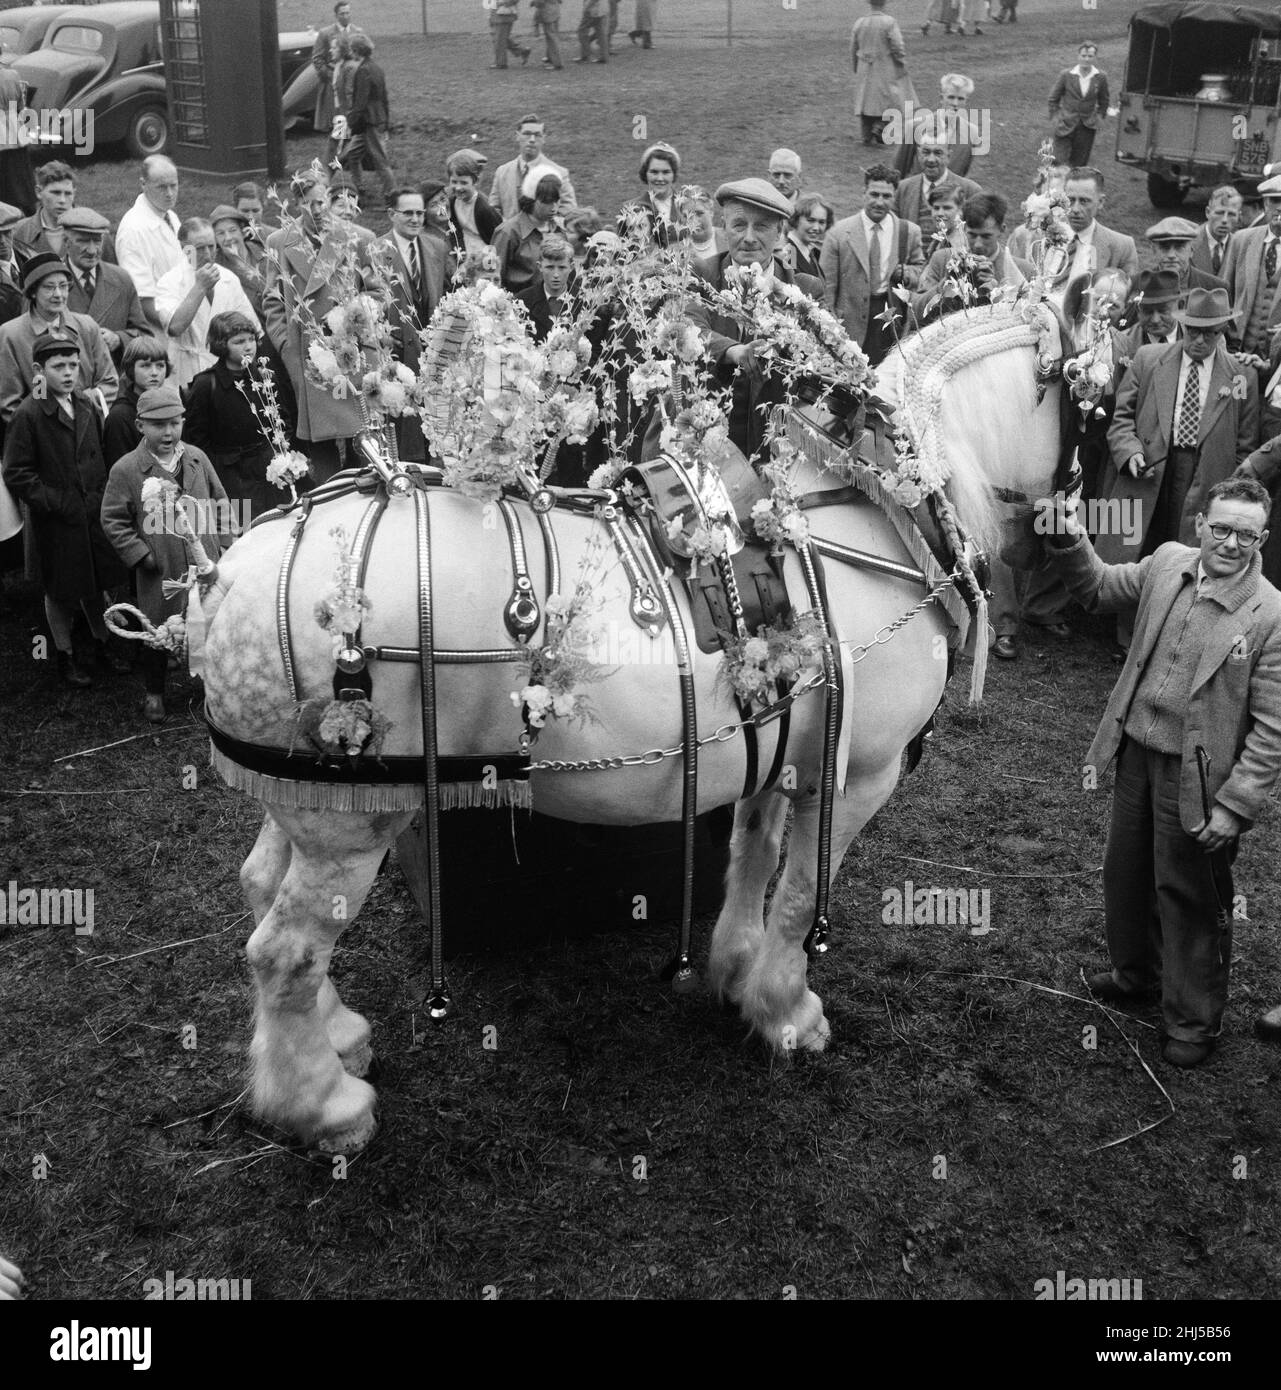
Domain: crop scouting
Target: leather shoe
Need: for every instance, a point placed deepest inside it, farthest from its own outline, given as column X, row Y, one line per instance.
column 1006, row 648
column 1268, row 1026
column 72, row 673
column 1102, row 985
column 153, row 709
column 1059, row 631
column 1186, row 1054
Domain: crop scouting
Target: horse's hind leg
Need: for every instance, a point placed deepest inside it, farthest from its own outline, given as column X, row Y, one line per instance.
column 260, row 878
column 299, row 1081
column 753, row 858
column 777, row 1000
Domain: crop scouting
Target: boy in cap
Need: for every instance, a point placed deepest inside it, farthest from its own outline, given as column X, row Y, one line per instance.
column 53, row 462
column 153, row 551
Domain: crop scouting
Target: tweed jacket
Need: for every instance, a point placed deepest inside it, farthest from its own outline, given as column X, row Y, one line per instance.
column 1241, row 271
column 504, row 192
column 1069, row 109
column 115, row 303
column 1235, row 709
column 909, row 200
column 844, row 263
column 123, row 520
column 1143, row 423
column 299, row 282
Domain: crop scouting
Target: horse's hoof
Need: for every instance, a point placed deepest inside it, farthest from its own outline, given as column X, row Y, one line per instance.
column 347, row 1122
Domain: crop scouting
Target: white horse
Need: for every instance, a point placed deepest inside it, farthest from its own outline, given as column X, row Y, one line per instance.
column 310, row 870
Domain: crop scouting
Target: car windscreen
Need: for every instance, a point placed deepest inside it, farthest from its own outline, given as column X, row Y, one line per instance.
column 9, row 37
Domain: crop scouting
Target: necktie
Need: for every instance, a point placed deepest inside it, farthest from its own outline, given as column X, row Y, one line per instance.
column 874, row 260
column 87, row 281
column 1216, row 257
column 1270, row 258
column 1190, row 411
column 415, row 270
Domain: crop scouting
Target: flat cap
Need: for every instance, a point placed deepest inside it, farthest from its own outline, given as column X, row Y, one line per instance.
column 10, row 216
column 224, row 212
column 1172, row 229
column 1271, row 187
column 84, row 220
column 160, row 403
column 53, row 341
column 755, row 193
column 40, row 267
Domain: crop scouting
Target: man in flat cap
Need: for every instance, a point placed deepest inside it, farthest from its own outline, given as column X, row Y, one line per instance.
column 1252, row 269
column 755, row 218
column 104, row 292
column 1171, row 240
column 864, row 256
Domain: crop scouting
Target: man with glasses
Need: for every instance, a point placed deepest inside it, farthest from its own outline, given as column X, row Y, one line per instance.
column 1194, row 728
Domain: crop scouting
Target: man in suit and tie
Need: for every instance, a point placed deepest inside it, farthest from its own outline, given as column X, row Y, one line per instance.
column 755, row 216
column 304, row 261
column 1222, row 219
column 1093, row 246
column 412, row 265
column 1078, row 106
column 104, row 292
column 504, row 192
column 1194, row 729
column 1186, row 415
column 912, row 195
column 1252, row 269
column 863, row 256
column 1157, row 295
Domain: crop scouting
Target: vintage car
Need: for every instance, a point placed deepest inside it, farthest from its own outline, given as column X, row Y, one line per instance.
column 106, row 59
column 1201, row 100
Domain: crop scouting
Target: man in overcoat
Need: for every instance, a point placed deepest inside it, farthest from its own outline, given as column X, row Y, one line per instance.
column 881, row 83
column 1194, row 728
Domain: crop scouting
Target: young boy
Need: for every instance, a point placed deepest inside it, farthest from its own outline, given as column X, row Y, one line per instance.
column 945, row 206
column 551, row 294
column 53, row 462
column 143, row 540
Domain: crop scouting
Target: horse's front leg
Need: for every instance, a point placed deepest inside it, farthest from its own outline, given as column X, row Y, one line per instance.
column 299, row 1081
column 753, row 858
column 777, row 1000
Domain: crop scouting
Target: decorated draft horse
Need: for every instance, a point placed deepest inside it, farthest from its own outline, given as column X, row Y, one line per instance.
column 406, row 639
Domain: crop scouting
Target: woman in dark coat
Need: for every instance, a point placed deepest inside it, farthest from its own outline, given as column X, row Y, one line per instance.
column 53, row 462
column 221, row 421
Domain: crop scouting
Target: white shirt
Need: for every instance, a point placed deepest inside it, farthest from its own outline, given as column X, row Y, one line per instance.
column 147, row 245
column 189, row 350
column 887, row 250
column 1083, row 76
column 1203, row 390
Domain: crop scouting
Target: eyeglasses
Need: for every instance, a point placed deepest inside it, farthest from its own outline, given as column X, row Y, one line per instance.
column 1246, row 538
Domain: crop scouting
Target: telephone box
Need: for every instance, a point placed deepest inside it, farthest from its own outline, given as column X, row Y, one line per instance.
column 222, row 72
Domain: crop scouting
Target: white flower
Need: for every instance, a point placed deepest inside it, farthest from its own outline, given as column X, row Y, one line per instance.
column 796, row 527
column 676, row 530
column 1100, row 373
column 755, row 651
column 564, row 706
column 556, row 605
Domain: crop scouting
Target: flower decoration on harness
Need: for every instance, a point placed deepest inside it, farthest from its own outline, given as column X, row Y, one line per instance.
column 287, row 467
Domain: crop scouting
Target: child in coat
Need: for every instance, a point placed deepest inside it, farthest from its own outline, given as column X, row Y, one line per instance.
column 144, row 364
column 53, row 462
column 144, row 538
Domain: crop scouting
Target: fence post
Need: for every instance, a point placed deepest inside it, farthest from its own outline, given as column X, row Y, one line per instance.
column 729, row 23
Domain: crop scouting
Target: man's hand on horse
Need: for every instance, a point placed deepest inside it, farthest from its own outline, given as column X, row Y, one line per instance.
column 1060, row 525
column 1222, row 827
column 743, row 356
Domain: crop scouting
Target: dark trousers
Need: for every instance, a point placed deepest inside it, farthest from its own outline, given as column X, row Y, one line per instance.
column 1163, row 918
column 551, row 40
column 880, row 337
column 503, row 41
column 594, row 30
column 1074, row 150
column 155, row 665
column 368, row 146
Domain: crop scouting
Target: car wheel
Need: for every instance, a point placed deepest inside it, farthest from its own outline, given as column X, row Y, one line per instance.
column 1165, row 193
column 148, row 132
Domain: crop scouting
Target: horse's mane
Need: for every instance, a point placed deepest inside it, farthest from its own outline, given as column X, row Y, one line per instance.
column 964, row 388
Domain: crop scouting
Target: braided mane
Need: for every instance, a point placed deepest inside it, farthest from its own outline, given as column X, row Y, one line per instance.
column 965, row 391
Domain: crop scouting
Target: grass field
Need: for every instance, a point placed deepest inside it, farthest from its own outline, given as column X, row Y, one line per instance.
column 517, row 1167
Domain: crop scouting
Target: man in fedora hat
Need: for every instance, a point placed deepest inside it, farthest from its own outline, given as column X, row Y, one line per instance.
column 1171, row 240
column 1186, row 415
column 1194, row 729
column 1154, row 298
column 755, row 218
